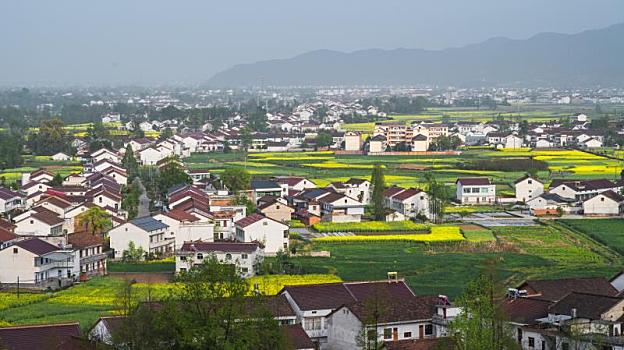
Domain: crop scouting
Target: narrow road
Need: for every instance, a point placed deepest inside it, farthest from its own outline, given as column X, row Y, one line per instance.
column 144, row 201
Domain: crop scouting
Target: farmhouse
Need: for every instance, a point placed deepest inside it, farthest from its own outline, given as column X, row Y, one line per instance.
column 527, row 188
column 276, row 210
column 61, row 157
column 336, row 207
column 271, row 233
column 607, row 203
column 420, row 143
column 408, row 202
column 37, row 264
column 551, row 204
column 245, row 256
column 352, row 141
column 476, row 190
column 39, row 222
column 10, row 200
column 146, row 232
column 314, row 303
column 89, row 257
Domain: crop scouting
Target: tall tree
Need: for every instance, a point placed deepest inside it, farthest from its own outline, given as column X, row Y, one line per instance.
column 95, row 220
column 246, row 139
column 172, row 174
column 482, row 323
column 51, row 138
column 438, row 198
column 236, row 179
column 378, row 183
column 324, row 139
column 10, row 150
column 130, row 163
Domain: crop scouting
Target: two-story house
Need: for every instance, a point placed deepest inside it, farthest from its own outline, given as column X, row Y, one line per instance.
column 475, row 190
column 10, row 200
column 527, row 188
column 271, row 233
column 245, row 256
column 36, row 263
column 89, row 256
column 146, row 232
column 336, row 207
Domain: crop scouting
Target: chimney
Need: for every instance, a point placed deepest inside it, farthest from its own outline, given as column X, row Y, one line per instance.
column 573, row 312
column 393, row 277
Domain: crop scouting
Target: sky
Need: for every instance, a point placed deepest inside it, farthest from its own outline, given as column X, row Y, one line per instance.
column 150, row 42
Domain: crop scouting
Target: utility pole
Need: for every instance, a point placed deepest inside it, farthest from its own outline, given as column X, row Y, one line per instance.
column 18, row 283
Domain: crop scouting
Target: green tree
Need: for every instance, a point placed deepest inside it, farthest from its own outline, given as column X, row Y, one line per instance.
column 130, row 163
column 324, row 139
column 210, row 309
column 172, row 174
column 95, row 220
column 482, row 323
column 57, row 180
column 10, row 150
column 165, row 134
column 375, row 308
column 243, row 200
column 130, row 201
column 246, row 139
column 133, row 254
column 236, row 179
column 51, row 138
column 438, row 198
column 378, row 184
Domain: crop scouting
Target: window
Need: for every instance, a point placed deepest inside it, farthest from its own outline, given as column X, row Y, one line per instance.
column 407, row 335
column 182, row 258
column 312, row 323
column 285, row 245
column 244, row 270
column 531, row 342
column 476, row 190
column 285, row 233
column 32, row 222
column 387, row 333
column 530, row 182
column 372, row 335
column 243, row 256
column 228, row 256
column 14, row 250
column 277, row 207
column 200, row 256
column 428, row 329
column 182, row 269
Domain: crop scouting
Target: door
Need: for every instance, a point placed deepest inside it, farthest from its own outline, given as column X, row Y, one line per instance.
column 395, row 334
column 421, row 332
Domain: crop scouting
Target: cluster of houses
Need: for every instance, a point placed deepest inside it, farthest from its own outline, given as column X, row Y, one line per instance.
column 595, row 197
column 43, row 241
column 572, row 313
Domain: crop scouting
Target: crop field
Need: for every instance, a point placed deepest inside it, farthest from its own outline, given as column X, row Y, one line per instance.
column 88, row 301
column 609, row 232
column 437, row 234
column 541, row 251
column 370, row 226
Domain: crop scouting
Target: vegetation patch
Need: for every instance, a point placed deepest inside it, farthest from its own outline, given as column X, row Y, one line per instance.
column 438, row 234
column 370, row 226
column 609, row 232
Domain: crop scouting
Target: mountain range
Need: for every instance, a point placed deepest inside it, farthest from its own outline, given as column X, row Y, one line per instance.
column 590, row 58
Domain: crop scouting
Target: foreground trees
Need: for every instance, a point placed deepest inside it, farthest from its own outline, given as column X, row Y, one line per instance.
column 378, row 183
column 211, row 309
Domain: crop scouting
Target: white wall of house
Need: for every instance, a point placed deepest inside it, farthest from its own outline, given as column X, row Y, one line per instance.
column 471, row 194
column 246, row 262
column 564, row 191
column 273, row 234
column 602, row 205
column 528, row 189
column 343, row 328
column 18, row 262
column 33, row 227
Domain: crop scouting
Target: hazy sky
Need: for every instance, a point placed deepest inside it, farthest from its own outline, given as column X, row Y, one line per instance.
column 183, row 41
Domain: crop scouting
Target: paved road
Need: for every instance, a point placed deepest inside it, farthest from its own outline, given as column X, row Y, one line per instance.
column 308, row 234
column 144, row 201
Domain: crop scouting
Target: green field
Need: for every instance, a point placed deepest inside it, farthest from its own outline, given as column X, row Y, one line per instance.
column 545, row 251
column 609, row 232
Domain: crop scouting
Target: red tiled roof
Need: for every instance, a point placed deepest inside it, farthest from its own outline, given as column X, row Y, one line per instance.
column 48, row 218
column 58, row 202
column 526, row 310
column 296, row 338
column 474, row 181
column 392, row 191
column 84, row 239
column 397, row 310
column 407, row 194
column 234, row 247
column 51, row 336
column 6, row 193
column 7, row 225
column 251, row 219
column 37, row 246
column 290, row 180
column 556, row 289
column 6, row 235
column 181, row 215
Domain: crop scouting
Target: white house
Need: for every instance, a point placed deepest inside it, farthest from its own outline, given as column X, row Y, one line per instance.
column 185, row 227
column 528, row 188
column 272, row 234
column 37, row 264
column 476, row 190
column 403, row 319
column 420, row 143
column 592, row 143
column 607, row 203
column 337, row 207
column 10, row 200
column 352, row 141
column 296, row 183
column 377, row 144
column 409, row 202
column 245, row 256
column 150, row 156
column 41, row 223
column 61, row 157
column 146, row 232
column 551, row 203
column 104, row 153
column 314, row 303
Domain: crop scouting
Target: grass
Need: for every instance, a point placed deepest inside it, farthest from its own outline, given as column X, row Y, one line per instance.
column 609, row 232
column 370, row 226
column 141, row 267
column 88, row 301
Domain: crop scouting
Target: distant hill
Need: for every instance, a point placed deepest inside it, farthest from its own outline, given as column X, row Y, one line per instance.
column 593, row 57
